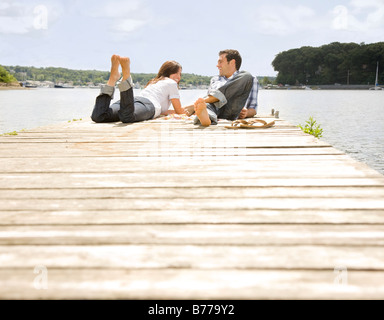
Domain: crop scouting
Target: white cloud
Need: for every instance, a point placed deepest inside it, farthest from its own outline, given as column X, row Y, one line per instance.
column 363, row 4
column 14, row 19
column 123, row 16
column 283, row 20
column 127, row 25
column 15, row 25
column 116, row 9
column 376, row 19
column 3, row 6
column 359, row 17
column 11, row 9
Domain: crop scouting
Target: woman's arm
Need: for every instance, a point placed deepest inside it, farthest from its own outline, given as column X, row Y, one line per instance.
column 177, row 106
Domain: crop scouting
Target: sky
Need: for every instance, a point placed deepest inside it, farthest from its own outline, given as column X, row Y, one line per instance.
column 84, row 34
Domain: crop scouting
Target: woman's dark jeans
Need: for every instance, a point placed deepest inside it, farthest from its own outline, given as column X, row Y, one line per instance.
column 127, row 110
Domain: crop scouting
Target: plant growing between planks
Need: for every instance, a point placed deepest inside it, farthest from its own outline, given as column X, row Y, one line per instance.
column 312, row 128
column 13, row 133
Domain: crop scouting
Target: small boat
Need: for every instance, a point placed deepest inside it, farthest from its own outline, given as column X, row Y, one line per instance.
column 376, row 87
column 59, row 86
column 28, row 85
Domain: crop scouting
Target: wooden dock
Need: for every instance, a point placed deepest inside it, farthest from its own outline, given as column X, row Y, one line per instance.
column 168, row 210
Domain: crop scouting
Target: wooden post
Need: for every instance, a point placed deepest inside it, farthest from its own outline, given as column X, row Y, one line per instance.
column 273, row 112
column 277, row 114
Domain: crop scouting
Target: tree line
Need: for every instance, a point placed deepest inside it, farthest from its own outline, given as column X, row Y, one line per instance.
column 342, row 63
column 90, row 77
column 94, row 77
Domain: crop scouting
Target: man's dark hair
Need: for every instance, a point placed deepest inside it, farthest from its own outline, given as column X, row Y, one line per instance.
column 233, row 54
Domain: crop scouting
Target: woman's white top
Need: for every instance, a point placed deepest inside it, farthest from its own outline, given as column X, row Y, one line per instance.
column 161, row 94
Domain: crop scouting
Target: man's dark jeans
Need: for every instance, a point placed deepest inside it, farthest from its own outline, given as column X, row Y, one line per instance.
column 236, row 92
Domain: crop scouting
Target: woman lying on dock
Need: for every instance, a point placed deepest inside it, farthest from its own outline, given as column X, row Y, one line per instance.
column 153, row 101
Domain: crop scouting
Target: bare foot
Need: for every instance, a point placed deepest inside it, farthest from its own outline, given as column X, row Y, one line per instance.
column 115, row 74
column 125, row 63
column 202, row 113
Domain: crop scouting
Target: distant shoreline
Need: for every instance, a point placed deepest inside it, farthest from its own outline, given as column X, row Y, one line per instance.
column 11, row 86
column 321, row 87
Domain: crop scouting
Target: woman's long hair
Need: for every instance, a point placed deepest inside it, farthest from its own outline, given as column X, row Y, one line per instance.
column 168, row 68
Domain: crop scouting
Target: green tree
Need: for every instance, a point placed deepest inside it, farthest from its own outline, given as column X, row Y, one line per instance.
column 332, row 63
column 5, row 76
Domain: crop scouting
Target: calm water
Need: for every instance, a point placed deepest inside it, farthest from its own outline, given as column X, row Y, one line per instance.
column 353, row 121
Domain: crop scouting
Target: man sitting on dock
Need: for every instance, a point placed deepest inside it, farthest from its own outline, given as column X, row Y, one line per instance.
column 232, row 94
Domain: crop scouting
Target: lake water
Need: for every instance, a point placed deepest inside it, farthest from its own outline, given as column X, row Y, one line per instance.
column 353, row 121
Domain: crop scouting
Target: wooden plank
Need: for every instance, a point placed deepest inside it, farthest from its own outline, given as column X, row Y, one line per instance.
column 100, row 150
column 182, row 202
column 151, row 133
column 154, row 173
column 167, row 133
column 207, row 235
column 119, row 164
column 17, row 181
column 171, row 145
column 314, row 193
column 249, row 170
column 87, row 124
column 206, row 257
column 145, row 135
column 224, row 140
column 186, row 284
column 72, row 217
column 182, row 143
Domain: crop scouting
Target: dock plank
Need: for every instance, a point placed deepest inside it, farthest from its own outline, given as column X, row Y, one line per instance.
column 225, row 257
column 13, row 181
column 182, row 202
column 68, row 216
column 192, row 284
column 316, row 193
column 195, row 234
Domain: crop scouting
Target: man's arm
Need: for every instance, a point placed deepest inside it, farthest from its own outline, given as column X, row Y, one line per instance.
column 247, row 113
column 251, row 113
column 189, row 110
column 250, row 109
